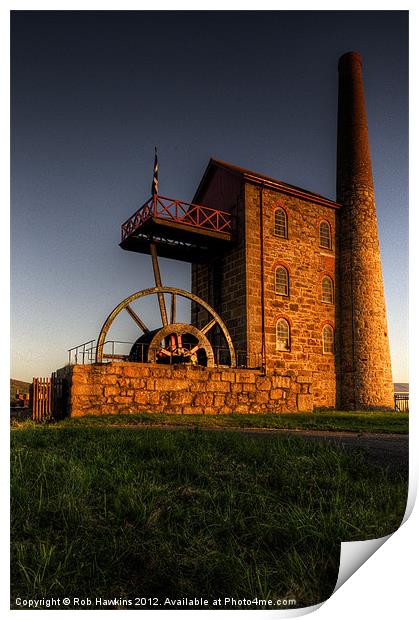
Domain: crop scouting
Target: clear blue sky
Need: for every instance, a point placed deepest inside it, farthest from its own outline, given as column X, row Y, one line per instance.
column 93, row 92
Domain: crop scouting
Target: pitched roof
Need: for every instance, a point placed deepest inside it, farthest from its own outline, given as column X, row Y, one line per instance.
column 260, row 179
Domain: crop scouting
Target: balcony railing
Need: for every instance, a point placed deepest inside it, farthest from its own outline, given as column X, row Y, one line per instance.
column 180, row 212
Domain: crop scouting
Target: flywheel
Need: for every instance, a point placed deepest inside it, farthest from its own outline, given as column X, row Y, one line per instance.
column 173, row 342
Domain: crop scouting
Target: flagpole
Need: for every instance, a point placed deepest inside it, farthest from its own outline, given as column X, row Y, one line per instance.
column 153, row 249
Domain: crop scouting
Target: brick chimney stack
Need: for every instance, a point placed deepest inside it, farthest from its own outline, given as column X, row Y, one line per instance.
column 365, row 379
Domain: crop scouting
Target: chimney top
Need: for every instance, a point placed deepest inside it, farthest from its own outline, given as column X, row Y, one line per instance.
column 349, row 58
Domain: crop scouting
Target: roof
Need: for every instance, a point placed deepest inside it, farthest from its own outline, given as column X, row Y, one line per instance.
column 260, row 179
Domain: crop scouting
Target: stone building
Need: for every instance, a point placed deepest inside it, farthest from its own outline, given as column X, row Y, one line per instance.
column 296, row 281
column 276, row 287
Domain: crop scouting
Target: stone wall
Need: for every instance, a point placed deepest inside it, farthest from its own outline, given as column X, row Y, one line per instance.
column 307, row 263
column 129, row 387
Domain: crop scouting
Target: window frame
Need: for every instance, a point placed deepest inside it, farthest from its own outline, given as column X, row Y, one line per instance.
column 287, row 348
column 332, row 290
column 329, row 235
column 287, row 281
column 285, row 226
column 332, row 340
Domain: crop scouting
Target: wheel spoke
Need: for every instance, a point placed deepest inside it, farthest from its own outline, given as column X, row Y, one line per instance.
column 208, row 326
column 173, row 309
column 137, row 319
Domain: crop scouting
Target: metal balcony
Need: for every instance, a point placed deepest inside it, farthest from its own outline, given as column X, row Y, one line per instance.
column 180, row 230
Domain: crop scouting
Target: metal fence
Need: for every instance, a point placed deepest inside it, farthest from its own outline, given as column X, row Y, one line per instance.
column 114, row 350
column 401, row 402
column 83, row 353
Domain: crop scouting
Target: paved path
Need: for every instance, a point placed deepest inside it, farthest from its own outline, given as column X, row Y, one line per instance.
column 379, row 449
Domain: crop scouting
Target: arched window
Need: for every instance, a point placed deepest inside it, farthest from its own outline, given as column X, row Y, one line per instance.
column 328, row 339
column 283, row 342
column 327, row 290
column 325, row 235
column 281, row 225
column 281, row 281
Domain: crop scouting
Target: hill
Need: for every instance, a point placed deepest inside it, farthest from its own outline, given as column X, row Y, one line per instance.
column 17, row 387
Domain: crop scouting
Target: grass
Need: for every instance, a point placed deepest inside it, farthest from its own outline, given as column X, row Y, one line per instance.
column 109, row 512
column 360, row 422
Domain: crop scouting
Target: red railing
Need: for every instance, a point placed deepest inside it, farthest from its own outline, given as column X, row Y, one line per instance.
column 178, row 211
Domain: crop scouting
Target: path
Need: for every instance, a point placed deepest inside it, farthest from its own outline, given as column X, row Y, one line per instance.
column 379, row 449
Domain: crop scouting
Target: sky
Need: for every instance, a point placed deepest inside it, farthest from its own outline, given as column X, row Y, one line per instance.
column 93, row 92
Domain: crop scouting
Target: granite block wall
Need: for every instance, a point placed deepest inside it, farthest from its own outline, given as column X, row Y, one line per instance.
column 129, row 387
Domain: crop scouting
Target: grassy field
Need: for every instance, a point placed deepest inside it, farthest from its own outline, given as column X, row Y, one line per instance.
column 360, row 422
column 122, row 512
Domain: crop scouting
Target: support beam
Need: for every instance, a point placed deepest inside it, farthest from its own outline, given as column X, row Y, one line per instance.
column 157, row 279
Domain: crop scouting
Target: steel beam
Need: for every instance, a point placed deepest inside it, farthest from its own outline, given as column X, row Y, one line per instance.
column 157, row 279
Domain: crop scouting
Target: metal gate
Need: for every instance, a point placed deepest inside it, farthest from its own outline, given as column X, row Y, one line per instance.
column 59, row 397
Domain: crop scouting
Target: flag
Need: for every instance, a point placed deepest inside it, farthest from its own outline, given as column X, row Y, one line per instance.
column 155, row 184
